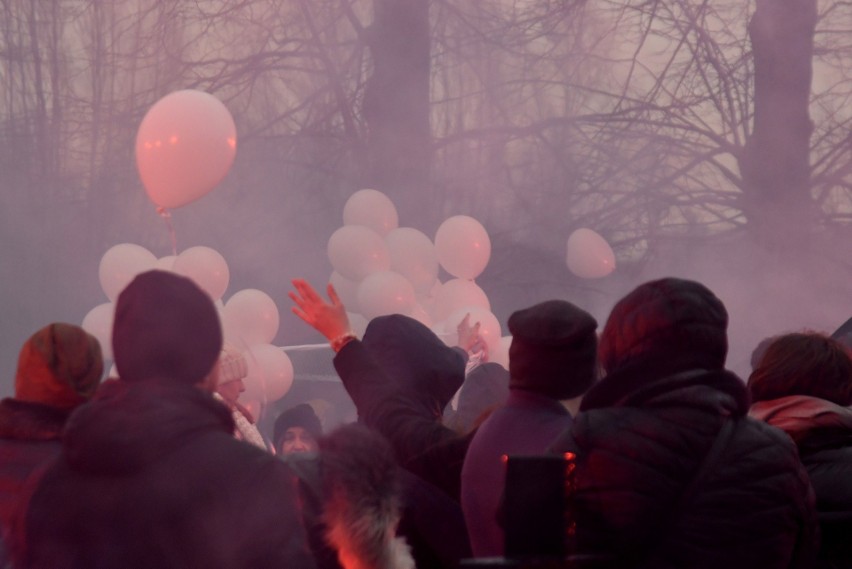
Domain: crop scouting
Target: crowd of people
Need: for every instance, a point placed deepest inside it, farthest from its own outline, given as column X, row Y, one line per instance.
column 663, row 457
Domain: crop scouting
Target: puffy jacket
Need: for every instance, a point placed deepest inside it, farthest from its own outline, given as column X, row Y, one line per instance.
column 640, row 441
column 823, row 432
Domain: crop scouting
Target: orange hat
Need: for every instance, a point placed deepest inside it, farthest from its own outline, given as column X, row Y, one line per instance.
column 60, row 365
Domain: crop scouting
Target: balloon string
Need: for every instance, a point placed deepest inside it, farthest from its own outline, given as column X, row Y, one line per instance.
column 167, row 217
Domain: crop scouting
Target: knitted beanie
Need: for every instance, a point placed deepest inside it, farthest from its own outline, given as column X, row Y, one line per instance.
column 165, row 327
column 60, row 365
column 302, row 415
column 232, row 364
column 553, row 349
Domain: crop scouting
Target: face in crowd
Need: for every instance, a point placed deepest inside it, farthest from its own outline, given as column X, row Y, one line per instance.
column 230, row 391
column 297, row 439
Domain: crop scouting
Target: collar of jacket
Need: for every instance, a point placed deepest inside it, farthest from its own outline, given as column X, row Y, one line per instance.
column 634, row 387
column 806, row 418
column 26, row 421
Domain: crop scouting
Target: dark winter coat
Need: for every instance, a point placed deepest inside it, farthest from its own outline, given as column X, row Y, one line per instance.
column 823, row 433
column 527, row 425
column 639, row 441
column 150, row 476
column 29, row 439
column 399, row 406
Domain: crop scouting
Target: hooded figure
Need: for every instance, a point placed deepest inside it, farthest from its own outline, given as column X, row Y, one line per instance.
column 669, row 470
column 551, row 358
column 150, row 474
column 59, row 368
column 400, row 377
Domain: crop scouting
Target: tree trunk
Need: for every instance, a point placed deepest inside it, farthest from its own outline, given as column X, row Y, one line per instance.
column 396, row 108
column 775, row 163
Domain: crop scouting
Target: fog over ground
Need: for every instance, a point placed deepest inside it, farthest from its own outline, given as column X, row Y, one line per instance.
column 502, row 149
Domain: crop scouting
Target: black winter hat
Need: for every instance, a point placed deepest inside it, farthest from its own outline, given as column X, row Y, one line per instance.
column 302, row 415
column 165, row 327
column 553, row 349
column 668, row 325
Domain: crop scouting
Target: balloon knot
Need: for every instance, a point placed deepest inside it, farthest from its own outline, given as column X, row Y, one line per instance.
column 163, row 212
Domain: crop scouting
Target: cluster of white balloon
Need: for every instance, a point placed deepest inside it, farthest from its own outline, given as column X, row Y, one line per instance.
column 381, row 268
column 249, row 318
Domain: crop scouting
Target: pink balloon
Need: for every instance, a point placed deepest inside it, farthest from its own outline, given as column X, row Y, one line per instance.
column 206, row 267
column 589, row 255
column 98, row 323
column 251, row 317
column 458, row 293
column 356, row 251
column 372, row 209
column 270, row 374
column 385, row 292
column 120, row 264
column 184, row 147
column 412, row 255
column 463, row 247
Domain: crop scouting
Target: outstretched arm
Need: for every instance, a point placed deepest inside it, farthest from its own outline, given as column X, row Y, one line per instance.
column 327, row 318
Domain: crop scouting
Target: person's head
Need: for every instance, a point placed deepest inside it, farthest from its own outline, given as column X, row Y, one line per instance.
column 297, row 430
column 416, row 359
column 361, row 498
column 60, row 365
column 231, row 369
column 165, row 328
column 803, row 363
column 759, row 350
column 553, row 349
column 666, row 326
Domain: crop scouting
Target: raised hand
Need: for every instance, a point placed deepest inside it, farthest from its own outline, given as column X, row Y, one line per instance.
column 328, row 318
column 468, row 335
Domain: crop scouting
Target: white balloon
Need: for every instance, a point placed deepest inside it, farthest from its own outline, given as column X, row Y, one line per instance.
column 412, row 255
column 356, row 251
column 251, row 317
column 386, row 292
column 501, row 354
column 270, row 374
column 463, row 247
column 372, row 209
column 166, row 263
column 98, row 323
column 357, row 323
column 347, row 290
column 458, row 293
column 206, row 267
column 421, row 315
column 589, row 255
column 120, row 264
